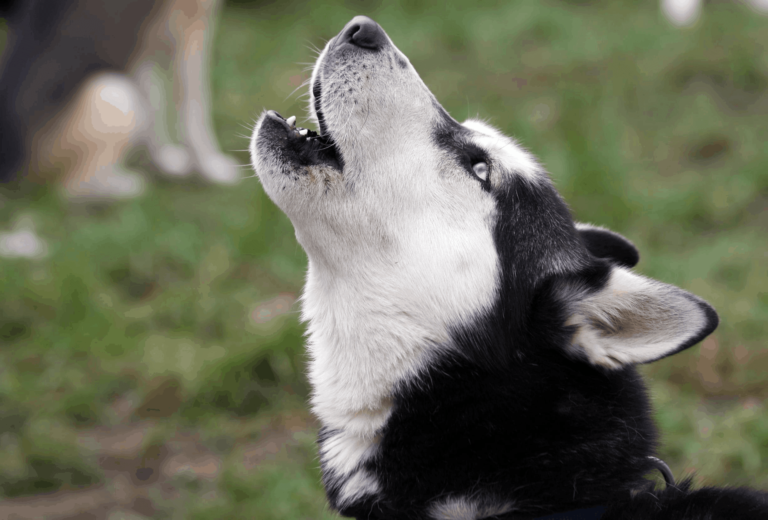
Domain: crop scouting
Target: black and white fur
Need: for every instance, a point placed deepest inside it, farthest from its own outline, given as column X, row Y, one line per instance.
column 472, row 349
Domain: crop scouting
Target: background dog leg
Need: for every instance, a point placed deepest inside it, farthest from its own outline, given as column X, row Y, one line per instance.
column 191, row 75
column 170, row 158
column 85, row 144
column 107, row 117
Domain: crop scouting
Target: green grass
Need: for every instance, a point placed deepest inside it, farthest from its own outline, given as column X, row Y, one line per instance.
column 656, row 132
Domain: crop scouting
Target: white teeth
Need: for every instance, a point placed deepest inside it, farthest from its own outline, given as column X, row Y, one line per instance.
column 291, row 120
column 303, row 131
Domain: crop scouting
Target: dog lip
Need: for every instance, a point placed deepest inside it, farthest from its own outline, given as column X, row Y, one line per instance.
column 288, row 124
column 276, row 116
column 300, row 145
column 317, row 92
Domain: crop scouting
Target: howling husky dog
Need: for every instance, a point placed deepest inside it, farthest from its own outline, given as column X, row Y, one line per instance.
column 472, row 348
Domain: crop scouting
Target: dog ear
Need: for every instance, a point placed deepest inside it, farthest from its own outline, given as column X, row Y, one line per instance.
column 604, row 243
column 631, row 319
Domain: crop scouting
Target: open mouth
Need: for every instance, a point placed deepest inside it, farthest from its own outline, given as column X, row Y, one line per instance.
column 304, row 146
column 331, row 151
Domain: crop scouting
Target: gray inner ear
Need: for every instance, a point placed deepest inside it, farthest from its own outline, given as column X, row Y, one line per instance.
column 636, row 320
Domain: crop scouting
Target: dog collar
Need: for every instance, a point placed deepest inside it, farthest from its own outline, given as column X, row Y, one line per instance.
column 595, row 513
column 662, row 466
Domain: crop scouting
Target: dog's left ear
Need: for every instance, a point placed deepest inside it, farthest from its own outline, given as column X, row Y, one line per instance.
column 631, row 319
column 604, row 243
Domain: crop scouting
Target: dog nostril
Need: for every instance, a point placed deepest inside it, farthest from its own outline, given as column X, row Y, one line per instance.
column 364, row 32
column 353, row 32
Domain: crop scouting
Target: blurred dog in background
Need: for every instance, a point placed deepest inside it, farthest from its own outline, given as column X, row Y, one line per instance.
column 83, row 81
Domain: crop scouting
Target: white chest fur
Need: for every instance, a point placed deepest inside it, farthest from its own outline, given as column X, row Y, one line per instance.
column 380, row 318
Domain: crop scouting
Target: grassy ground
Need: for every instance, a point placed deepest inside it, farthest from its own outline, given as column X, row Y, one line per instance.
column 152, row 364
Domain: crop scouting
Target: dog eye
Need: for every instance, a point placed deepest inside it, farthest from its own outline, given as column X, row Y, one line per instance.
column 481, row 170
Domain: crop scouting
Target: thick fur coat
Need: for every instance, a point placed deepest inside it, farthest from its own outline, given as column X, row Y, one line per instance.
column 472, row 349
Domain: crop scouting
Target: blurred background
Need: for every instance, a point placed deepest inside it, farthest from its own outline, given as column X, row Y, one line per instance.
column 151, row 357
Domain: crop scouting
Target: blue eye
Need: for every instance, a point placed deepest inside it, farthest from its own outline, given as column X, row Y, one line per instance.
column 481, row 170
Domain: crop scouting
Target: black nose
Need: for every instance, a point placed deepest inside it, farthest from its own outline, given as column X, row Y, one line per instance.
column 363, row 32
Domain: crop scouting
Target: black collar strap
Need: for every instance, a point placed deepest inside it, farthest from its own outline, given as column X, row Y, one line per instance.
column 595, row 513
column 662, row 466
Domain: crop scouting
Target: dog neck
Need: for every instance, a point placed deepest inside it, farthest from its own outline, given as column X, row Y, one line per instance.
column 377, row 315
column 361, row 344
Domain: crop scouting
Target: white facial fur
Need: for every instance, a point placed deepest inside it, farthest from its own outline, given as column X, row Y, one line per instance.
column 400, row 242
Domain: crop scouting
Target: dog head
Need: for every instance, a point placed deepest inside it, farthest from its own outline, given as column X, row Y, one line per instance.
column 433, row 230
